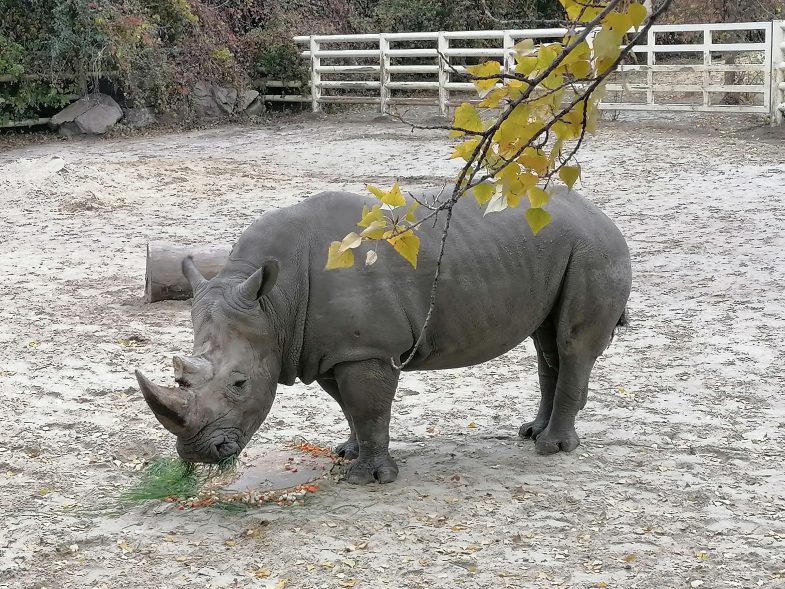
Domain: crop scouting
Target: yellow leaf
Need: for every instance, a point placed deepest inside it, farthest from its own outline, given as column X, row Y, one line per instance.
column 638, row 14
column 569, row 175
column 535, row 160
column 407, row 244
column 347, row 583
column 335, row 259
column 493, row 98
column 370, row 258
column 579, row 11
column 580, row 69
column 489, row 68
column 466, row 118
column 620, row 22
column 524, row 47
column 630, row 558
column 465, row 149
column 375, row 230
column 484, row 192
column 607, row 44
column 375, row 214
column 555, row 151
column 472, row 425
column 513, row 199
column 351, row 241
column 281, row 584
column 410, row 216
column 546, row 55
column 260, row 573
column 538, row 219
column 525, row 65
column 394, row 198
column 538, row 197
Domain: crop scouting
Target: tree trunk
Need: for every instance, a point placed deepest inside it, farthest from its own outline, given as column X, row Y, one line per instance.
column 164, row 278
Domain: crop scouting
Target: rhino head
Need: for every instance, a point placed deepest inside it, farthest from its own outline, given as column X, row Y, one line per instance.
column 226, row 388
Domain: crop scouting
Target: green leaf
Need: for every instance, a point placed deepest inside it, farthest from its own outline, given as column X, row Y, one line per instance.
column 336, row 259
column 538, row 219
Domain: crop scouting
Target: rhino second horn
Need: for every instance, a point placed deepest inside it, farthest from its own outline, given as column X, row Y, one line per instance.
column 169, row 405
column 191, row 366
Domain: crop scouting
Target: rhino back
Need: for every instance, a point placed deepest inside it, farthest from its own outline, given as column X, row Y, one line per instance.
column 498, row 282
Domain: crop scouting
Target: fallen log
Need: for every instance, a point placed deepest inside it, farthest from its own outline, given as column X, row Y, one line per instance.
column 164, row 278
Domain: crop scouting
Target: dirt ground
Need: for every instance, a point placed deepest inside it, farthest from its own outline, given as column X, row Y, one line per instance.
column 679, row 481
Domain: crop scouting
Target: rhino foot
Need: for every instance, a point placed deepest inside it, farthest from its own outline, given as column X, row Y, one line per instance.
column 532, row 429
column 381, row 468
column 350, row 449
column 550, row 442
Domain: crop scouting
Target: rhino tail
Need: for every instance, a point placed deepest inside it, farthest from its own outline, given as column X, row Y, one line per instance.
column 621, row 324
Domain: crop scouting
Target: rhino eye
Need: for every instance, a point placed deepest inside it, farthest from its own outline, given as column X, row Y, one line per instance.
column 239, row 383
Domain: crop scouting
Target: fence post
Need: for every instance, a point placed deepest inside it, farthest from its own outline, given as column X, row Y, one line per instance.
column 508, row 64
column 777, row 72
column 316, row 77
column 384, row 74
column 443, row 44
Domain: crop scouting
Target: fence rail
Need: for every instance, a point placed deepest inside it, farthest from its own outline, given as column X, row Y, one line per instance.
column 727, row 67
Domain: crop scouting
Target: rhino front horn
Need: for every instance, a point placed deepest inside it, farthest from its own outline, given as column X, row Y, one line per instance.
column 169, row 405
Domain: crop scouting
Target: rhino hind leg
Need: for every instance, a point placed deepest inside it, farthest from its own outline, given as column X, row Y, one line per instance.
column 350, row 449
column 592, row 300
column 548, row 371
column 367, row 389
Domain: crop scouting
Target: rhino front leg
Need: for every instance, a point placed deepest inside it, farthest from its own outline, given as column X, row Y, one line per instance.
column 367, row 389
column 350, row 449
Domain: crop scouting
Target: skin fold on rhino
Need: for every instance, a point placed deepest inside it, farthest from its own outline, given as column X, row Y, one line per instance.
column 273, row 314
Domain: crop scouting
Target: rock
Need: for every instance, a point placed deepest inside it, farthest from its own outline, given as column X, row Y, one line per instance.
column 138, row 118
column 256, row 108
column 203, row 101
column 92, row 115
column 226, row 98
column 246, row 99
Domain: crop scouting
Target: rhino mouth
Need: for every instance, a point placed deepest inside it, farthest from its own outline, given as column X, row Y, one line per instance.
column 211, row 448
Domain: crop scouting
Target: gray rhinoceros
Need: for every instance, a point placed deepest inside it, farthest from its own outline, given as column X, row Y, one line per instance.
column 273, row 314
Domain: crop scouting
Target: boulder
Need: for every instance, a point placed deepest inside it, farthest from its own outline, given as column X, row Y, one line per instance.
column 92, row 115
column 138, row 118
column 204, row 102
column 246, row 99
column 256, row 108
column 226, row 98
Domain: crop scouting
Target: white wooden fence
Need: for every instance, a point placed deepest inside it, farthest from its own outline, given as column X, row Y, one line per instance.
column 704, row 67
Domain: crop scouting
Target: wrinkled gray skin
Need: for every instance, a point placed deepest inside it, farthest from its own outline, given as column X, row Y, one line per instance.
column 274, row 314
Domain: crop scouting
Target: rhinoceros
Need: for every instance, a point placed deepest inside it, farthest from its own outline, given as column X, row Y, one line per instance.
column 274, row 314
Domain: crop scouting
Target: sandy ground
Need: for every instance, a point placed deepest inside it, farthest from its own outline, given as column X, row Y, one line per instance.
column 679, row 481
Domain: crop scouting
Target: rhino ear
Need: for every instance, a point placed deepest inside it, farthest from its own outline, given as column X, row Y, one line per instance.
column 191, row 272
column 260, row 282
